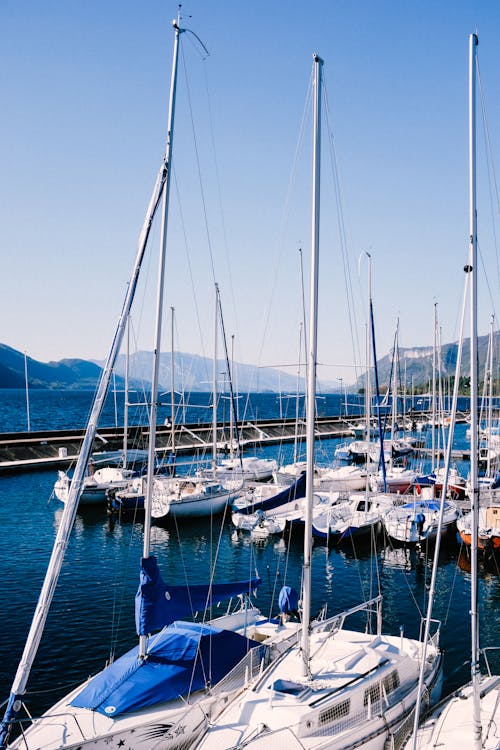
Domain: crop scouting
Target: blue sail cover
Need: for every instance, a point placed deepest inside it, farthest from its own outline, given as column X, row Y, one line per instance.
column 184, row 658
column 421, row 505
column 288, row 600
column 288, row 495
column 157, row 604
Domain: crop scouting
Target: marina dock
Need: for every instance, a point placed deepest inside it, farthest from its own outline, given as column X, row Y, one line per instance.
column 28, row 451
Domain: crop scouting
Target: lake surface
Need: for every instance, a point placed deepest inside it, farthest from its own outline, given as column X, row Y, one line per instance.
column 93, row 611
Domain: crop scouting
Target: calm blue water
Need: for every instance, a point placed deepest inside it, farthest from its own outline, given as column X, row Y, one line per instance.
column 58, row 410
column 92, row 614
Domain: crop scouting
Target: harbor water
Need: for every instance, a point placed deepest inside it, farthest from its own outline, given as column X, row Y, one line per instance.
column 92, row 617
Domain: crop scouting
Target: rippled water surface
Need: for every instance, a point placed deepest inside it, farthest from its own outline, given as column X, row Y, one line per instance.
column 92, row 615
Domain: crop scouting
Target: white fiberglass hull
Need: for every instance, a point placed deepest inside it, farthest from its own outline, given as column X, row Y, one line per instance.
column 249, row 468
column 450, row 726
column 275, row 521
column 396, row 480
column 362, row 689
column 184, row 498
column 95, row 487
column 414, row 522
column 166, row 726
column 342, row 479
column 359, row 517
column 71, row 728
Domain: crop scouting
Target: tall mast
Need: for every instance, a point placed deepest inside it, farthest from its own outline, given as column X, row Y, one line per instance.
column 70, row 507
column 231, row 414
column 172, row 383
column 394, row 397
column 296, row 435
column 476, row 710
column 159, row 314
column 490, row 399
column 433, row 430
column 27, row 391
column 368, row 394
column 214, row 381
column 311, row 373
column 126, row 404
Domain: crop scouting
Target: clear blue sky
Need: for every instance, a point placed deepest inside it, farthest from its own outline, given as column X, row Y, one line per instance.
column 84, row 90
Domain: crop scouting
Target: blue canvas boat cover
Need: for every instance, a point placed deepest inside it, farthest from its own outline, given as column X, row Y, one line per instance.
column 184, row 658
column 157, row 604
column 288, row 495
column 423, row 505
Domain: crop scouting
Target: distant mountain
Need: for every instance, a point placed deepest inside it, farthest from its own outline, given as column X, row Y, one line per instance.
column 418, row 362
column 68, row 373
column 192, row 373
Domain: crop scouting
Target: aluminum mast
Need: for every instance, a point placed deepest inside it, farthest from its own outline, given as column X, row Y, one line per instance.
column 159, row 315
column 69, row 511
column 311, row 373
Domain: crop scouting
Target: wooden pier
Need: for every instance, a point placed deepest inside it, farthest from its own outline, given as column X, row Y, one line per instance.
column 28, row 451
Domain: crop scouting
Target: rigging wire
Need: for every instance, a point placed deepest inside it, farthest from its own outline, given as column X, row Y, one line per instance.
column 118, row 603
column 219, row 196
column 191, row 275
column 491, row 168
column 284, row 220
column 343, row 238
column 486, row 278
column 198, row 165
column 230, row 376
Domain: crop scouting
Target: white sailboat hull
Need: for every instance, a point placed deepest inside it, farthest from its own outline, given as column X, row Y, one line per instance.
column 167, row 726
column 450, row 725
column 403, row 524
column 248, row 468
column 185, row 498
column 72, row 728
column 334, row 711
column 94, row 487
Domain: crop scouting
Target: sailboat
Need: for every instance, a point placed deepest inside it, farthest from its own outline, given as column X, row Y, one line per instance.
column 417, row 519
column 235, row 467
column 337, row 688
column 162, row 692
column 197, row 496
column 102, row 476
column 356, row 518
column 488, row 524
column 469, row 718
column 96, row 484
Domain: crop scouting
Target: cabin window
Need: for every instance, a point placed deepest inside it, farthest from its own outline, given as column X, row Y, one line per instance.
column 372, row 694
column 335, row 712
column 391, row 682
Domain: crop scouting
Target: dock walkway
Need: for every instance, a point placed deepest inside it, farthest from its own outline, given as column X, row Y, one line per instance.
column 27, row 451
